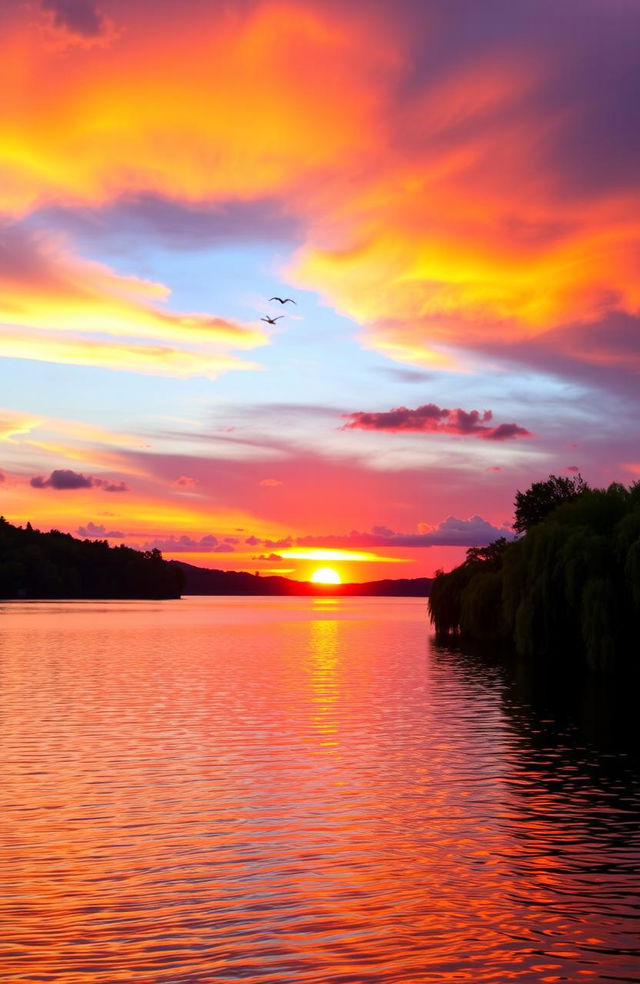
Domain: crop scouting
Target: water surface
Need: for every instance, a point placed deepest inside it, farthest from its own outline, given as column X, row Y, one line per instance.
column 296, row 790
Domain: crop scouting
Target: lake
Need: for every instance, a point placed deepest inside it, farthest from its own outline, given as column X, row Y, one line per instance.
column 297, row 790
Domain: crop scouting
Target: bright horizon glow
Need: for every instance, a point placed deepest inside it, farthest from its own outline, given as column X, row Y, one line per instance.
column 325, row 575
column 311, row 553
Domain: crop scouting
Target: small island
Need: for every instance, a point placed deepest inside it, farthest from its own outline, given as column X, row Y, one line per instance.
column 566, row 590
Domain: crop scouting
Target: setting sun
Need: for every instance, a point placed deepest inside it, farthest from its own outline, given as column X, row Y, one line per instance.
column 326, row 575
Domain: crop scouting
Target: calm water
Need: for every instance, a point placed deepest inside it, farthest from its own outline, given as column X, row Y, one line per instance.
column 296, row 790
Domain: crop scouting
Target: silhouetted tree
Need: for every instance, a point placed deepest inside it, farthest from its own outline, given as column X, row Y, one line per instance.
column 493, row 552
column 532, row 506
column 570, row 587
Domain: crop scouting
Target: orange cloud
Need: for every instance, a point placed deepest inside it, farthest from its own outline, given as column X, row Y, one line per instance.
column 470, row 236
column 200, row 106
column 16, row 425
column 422, row 284
column 442, row 210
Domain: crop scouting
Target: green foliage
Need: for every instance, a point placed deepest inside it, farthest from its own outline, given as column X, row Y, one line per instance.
column 445, row 598
column 481, row 611
column 570, row 585
column 448, row 590
column 56, row 565
column 532, row 506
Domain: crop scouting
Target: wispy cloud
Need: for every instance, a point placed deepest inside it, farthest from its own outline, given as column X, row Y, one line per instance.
column 16, row 425
column 58, row 307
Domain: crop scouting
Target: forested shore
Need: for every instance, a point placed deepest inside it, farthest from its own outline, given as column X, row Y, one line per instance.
column 57, row 565
column 566, row 590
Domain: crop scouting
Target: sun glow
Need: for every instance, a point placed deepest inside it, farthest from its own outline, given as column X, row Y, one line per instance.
column 313, row 553
column 326, row 575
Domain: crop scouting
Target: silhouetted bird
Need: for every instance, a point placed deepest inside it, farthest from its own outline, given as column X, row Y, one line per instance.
column 283, row 300
column 272, row 321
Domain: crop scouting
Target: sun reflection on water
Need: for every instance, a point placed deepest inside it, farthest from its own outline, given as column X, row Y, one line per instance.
column 323, row 656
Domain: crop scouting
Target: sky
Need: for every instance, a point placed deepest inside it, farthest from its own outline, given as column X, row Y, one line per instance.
column 450, row 193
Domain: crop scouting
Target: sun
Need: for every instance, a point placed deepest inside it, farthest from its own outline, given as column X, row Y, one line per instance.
column 326, row 575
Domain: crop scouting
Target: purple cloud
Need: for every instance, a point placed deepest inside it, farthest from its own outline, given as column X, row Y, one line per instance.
column 94, row 531
column 187, row 544
column 604, row 354
column 110, row 486
column 452, row 532
column 431, row 418
column 506, row 432
column 284, row 544
column 64, row 479
column 178, row 225
column 78, row 16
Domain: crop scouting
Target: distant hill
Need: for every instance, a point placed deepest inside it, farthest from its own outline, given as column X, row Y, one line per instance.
column 57, row 565
column 202, row 581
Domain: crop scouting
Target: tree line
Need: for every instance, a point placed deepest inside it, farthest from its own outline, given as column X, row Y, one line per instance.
column 57, row 565
column 567, row 587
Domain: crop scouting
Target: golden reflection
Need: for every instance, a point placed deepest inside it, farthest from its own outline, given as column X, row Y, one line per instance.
column 323, row 651
column 326, row 603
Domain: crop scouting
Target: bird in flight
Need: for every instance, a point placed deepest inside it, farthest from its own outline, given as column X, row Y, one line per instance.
column 272, row 321
column 283, row 300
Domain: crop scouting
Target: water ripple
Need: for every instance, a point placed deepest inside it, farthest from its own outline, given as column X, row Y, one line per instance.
column 285, row 790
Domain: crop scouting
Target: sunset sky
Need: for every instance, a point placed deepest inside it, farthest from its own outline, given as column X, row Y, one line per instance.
column 449, row 190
